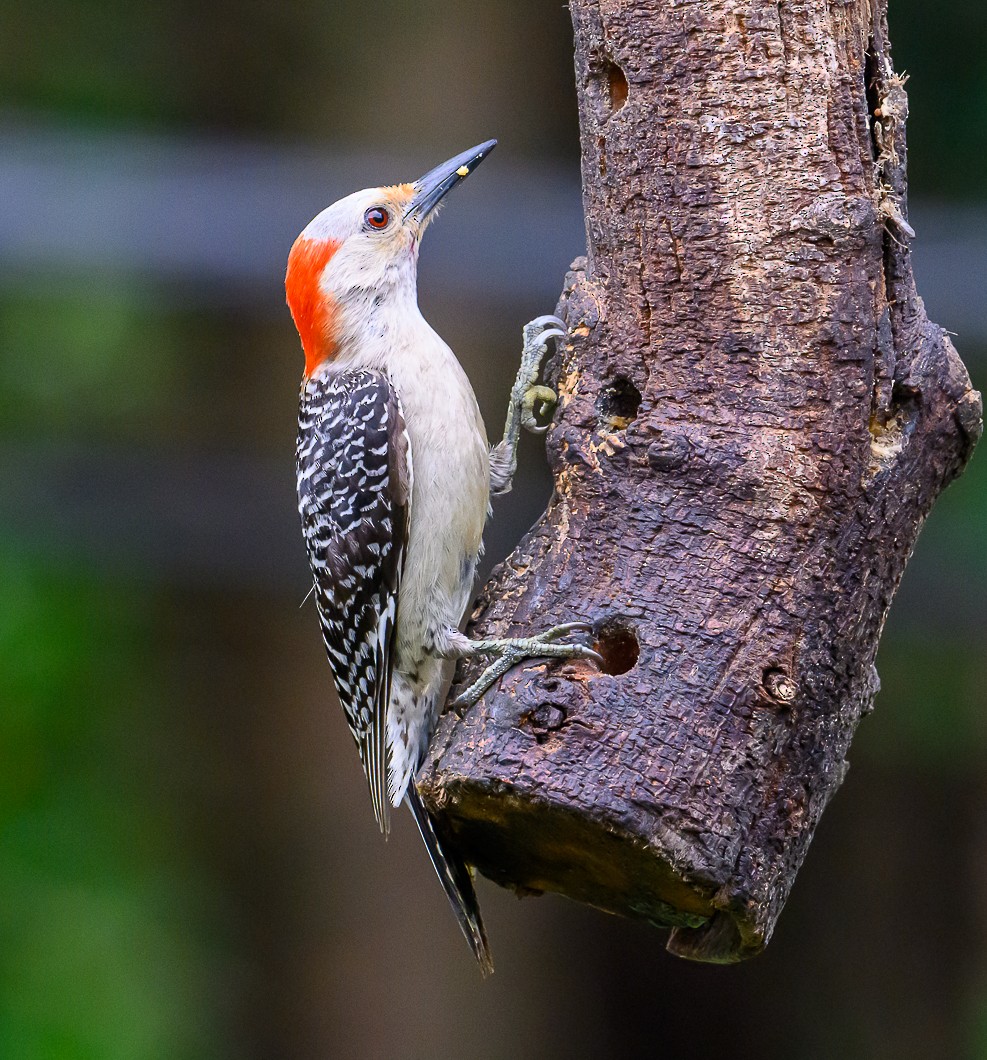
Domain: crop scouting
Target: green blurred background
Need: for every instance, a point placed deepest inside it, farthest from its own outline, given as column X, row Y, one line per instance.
column 188, row 864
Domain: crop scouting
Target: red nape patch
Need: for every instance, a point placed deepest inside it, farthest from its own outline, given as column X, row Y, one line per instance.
column 313, row 311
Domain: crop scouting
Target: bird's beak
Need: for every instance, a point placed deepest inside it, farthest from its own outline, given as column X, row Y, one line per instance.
column 434, row 185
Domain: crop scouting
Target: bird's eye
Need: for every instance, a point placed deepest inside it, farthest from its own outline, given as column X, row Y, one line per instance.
column 377, row 217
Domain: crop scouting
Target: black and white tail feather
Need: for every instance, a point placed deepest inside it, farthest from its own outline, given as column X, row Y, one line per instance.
column 354, row 467
column 454, row 875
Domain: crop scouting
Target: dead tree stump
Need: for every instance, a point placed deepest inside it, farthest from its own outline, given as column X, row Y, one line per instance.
column 755, row 417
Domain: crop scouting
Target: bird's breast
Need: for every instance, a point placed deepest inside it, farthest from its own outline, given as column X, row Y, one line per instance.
column 450, row 486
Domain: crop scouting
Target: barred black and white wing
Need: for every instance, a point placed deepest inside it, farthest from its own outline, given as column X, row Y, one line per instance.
column 354, row 496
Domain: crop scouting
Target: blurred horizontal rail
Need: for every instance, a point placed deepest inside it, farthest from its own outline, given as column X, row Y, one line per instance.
column 217, row 217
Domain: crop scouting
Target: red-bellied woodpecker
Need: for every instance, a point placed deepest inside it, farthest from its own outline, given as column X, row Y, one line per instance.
column 394, row 479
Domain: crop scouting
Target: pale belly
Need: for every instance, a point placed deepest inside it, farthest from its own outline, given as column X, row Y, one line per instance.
column 449, row 503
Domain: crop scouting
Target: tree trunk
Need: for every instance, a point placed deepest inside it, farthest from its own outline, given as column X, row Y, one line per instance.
column 755, row 416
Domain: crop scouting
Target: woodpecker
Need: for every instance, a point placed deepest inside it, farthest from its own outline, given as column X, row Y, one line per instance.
column 394, row 476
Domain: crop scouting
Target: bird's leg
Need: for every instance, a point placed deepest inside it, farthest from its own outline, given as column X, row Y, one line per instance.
column 509, row 652
column 526, row 394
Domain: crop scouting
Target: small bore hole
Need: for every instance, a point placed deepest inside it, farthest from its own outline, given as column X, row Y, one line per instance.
column 617, row 83
column 619, row 647
column 618, row 403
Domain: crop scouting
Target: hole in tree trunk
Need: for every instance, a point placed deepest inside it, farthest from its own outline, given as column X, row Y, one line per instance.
column 618, row 645
column 618, row 403
column 872, row 78
column 617, row 82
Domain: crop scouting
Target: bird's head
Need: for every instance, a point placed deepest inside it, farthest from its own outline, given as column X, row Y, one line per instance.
column 362, row 252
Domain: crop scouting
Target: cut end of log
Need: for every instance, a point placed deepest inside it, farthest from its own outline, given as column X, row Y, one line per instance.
column 532, row 846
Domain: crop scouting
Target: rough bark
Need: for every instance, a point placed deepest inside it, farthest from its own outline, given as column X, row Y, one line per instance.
column 755, row 417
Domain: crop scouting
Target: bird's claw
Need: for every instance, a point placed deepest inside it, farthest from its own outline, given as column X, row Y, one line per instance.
column 541, row 396
column 549, row 320
column 508, row 653
column 536, row 334
column 536, row 337
column 571, row 651
column 564, row 629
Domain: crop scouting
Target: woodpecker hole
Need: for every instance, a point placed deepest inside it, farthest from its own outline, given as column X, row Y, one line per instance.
column 618, row 404
column 618, row 645
column 617, row 84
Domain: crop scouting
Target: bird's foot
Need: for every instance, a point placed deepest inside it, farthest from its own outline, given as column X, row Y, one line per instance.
column 510, row 652
column 533, row 399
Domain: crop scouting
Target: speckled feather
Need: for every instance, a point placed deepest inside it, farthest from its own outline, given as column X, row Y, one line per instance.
column 354, row 491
